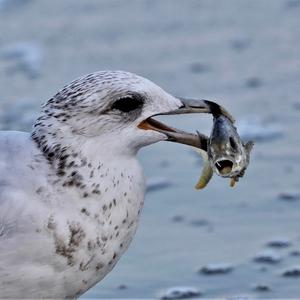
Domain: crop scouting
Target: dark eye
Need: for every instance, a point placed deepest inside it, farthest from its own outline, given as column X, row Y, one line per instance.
column 233, row 143
column 128, row 104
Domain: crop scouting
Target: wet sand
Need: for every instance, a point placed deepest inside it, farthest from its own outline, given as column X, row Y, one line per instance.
column 243, row 54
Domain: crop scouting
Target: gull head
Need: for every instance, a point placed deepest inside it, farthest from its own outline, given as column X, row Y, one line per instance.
column 116, row 108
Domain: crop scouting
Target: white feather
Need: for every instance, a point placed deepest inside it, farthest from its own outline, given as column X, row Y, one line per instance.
column 58, row 239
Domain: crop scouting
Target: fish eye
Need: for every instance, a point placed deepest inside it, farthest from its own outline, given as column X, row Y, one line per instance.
column 128, row 104
column 232, row 143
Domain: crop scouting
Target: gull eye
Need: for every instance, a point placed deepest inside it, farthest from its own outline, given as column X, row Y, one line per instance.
column 128, row 104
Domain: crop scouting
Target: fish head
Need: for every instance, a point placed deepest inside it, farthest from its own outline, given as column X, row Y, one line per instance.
column 228, row 154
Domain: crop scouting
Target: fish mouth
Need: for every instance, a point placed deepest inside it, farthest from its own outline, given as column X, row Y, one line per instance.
column 178, row 136
column 224, row 166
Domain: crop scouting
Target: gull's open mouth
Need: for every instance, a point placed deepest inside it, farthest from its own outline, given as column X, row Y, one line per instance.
column 175, row 135
column 224, row 166
column 188, row 106
column 152, row 124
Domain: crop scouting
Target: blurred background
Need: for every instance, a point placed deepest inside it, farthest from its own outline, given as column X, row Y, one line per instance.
column 222, row 241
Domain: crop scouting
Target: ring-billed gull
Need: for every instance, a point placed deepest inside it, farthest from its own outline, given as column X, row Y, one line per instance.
column 71, row 192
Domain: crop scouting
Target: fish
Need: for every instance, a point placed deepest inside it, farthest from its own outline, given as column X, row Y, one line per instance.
column 226, row 154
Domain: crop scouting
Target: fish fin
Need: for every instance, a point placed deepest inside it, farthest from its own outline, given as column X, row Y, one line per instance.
column 207, row 171
column 249, row 146
column 233, row 181
column 204, row 179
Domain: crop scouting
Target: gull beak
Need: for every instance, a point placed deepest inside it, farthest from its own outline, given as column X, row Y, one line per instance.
column 188, row 106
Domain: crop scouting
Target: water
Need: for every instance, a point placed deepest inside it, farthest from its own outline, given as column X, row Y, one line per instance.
column 245, row 55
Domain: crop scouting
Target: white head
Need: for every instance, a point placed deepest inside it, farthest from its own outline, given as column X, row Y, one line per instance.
column 107, row 106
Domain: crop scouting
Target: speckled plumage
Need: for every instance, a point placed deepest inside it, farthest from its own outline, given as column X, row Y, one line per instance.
column 72, row 190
